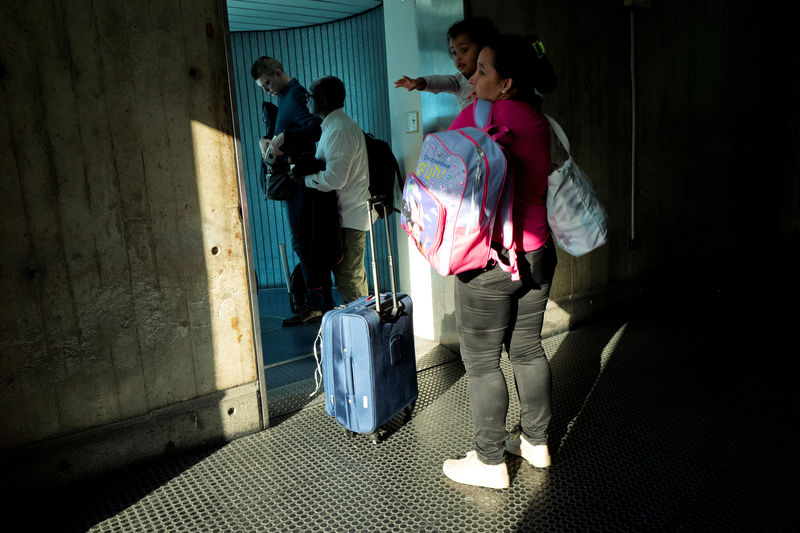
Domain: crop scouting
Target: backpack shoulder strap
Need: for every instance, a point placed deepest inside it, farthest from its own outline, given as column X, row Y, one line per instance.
column 483, row 116
column 482, row 111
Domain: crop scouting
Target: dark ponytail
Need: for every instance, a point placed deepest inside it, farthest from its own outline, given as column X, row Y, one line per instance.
column 524, row 60
column 544, row 74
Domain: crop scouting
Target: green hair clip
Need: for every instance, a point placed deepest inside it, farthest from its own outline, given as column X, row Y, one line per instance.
column 539, row 47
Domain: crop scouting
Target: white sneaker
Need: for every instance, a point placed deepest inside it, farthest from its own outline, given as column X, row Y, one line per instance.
column 472, row 471
column 536, row 454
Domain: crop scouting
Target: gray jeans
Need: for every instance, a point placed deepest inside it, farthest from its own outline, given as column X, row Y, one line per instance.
column 492, row 310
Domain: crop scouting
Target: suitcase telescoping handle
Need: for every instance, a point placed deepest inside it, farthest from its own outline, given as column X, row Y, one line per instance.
column 382, row 201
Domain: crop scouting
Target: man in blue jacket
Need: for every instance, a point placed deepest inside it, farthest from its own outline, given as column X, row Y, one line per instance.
column 313, row 215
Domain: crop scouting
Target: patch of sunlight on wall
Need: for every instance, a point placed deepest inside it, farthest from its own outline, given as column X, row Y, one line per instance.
column 229, row 303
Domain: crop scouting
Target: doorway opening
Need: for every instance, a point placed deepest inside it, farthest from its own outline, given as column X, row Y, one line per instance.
column 351, row 46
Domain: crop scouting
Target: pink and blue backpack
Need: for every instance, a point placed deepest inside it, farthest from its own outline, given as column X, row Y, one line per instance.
column 460, row 190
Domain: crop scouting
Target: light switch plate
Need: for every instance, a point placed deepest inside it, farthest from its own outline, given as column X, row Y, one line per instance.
column 412, row 122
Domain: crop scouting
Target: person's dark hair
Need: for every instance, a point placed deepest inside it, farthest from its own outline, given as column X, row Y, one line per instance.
column 265, row 65
column 524, row 60
column 480, row 30
column 332, row 88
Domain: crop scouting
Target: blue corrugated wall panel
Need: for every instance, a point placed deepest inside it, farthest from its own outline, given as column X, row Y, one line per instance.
column 353, row 50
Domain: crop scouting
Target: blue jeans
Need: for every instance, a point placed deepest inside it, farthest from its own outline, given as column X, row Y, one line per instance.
column 314, row 223
column 492, row 310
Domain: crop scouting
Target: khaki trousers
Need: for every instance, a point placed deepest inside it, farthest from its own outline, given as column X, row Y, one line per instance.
column 350, row 274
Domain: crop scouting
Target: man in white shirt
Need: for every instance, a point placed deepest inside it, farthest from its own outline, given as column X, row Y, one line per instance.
column 343, row 150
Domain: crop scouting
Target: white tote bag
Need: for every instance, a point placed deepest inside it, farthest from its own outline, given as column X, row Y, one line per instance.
column 575, row 215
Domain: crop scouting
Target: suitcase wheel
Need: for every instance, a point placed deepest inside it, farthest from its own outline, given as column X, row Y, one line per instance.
column 348, row 432
column 375, row 437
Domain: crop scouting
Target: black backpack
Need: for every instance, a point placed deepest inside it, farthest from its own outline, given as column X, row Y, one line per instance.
column 384, row 172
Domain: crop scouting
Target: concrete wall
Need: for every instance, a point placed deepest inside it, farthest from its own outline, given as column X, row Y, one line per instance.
column 125, row 328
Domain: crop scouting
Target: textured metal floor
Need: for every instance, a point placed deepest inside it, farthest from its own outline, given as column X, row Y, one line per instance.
column 663, row 421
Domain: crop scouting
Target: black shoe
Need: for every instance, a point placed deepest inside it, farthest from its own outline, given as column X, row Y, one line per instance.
column 307, row 316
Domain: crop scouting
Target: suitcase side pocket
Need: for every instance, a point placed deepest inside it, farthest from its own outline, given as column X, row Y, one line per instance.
column 351, row 394
column 395, row 350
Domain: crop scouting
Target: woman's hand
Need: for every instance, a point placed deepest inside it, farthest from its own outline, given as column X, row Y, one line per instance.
column 417, row 83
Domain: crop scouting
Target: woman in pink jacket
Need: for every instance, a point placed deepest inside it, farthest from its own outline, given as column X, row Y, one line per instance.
column 491, row 309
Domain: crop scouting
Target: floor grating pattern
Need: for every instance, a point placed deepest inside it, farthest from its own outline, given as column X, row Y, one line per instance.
column 656, row 428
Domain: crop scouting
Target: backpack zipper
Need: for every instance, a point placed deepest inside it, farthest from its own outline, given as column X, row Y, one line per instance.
column 479, row 157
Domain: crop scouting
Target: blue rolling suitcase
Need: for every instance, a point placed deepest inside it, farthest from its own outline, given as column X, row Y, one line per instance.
column 368, row 362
